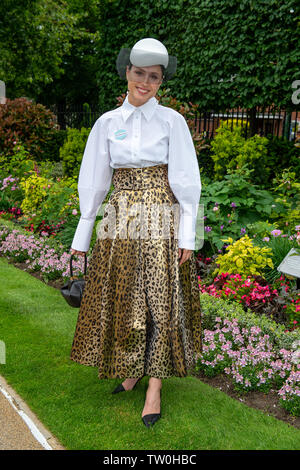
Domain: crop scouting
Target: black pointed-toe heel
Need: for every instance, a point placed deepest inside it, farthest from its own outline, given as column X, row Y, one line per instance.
column 149, row 420
column 120, row 387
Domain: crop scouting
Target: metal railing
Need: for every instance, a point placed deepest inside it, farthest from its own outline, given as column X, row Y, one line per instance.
column 76, row 115
column 271, row 120
column 275, row 121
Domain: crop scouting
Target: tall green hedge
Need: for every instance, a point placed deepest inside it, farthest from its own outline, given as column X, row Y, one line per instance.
column 230, row 52
column 122, row 24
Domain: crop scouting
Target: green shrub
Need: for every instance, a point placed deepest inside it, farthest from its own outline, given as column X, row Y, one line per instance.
column 230, row 149
column 282, row 154
column 243, row 257
column 205, row 161
column 19, row 163
column 231, row 204
column 51, row 147
column 48, row 205
column 287, row 199
column 51, row 170
column 71, row 152
column 35, row 192
column 260, row 229
column 29, row 124
column 87, row 116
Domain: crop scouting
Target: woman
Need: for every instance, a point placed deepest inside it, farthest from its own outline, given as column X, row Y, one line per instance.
column 140, row 311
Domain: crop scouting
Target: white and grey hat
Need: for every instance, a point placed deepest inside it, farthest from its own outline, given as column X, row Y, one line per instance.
column 144, row 53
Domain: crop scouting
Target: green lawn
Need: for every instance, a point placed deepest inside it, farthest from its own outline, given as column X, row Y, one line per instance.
column 37, row 327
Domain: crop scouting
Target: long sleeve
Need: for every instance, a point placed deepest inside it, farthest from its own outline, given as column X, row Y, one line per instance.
column 184, row 179
column 94, row 182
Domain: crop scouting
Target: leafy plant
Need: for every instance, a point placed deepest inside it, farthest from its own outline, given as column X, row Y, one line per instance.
column 48, row 205
column 231, row 204
column 280, row 245
column 243, row 257
column 27, row 123
column 289, row 393
column 11, row 195
column 72, row 151
column 35, row 192
column 230, row 149
column 282, row 154
column 278, row 301
column 19, row 164
column 287, row 199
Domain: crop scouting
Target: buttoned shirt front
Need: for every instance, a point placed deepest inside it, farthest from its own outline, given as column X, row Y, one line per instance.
column 137, row 137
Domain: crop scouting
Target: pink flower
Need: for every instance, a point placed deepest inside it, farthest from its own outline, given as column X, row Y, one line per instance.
column 276, row 233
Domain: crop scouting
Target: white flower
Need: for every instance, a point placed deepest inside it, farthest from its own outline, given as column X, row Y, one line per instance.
column 296, row 357
column 296, row 344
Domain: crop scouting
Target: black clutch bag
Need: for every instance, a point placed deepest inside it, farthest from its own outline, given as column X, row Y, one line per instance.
column 72, row 291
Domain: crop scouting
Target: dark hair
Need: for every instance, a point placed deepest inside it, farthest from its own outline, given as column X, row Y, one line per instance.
column 161, row 66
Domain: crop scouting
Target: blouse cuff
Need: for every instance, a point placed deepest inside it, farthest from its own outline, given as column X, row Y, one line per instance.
column 186, row 231
column 83, row 235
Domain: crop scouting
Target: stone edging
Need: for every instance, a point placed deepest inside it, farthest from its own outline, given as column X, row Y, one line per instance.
column 39, row 431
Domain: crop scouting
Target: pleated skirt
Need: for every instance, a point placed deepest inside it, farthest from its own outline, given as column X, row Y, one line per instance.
column 140, row 312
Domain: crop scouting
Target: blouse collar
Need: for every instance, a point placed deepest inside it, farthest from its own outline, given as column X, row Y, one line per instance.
column 147, row 108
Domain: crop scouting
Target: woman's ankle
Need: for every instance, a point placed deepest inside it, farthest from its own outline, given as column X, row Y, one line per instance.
column 130, row 383
column 155, row 383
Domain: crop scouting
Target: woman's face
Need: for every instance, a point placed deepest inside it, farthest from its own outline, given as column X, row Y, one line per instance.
column 143, row 83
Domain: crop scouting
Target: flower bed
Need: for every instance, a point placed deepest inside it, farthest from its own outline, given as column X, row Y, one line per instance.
column 52, row 262
column 243, row 350
column 254, row 351
column 276, row 300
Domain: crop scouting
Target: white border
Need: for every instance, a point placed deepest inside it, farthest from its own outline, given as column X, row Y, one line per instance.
column 30, row 424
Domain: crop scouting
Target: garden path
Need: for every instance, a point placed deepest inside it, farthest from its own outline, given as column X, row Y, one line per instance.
column 19, row 427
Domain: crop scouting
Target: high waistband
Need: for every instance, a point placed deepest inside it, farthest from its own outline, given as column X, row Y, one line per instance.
column 141, row 178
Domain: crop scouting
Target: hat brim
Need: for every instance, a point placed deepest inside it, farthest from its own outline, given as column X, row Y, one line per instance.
column 123, row 60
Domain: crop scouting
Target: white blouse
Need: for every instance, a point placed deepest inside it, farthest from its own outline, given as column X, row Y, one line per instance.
column 135, row 137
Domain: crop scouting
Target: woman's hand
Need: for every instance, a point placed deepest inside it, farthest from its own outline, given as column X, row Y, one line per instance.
column 184, row 254
column 76, row 252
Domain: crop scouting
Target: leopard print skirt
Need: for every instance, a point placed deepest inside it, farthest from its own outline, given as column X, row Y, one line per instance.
column 140, row 311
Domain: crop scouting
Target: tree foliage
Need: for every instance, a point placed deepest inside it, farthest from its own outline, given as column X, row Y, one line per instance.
column 29, row 124
column 47, row 48
column 80, row 62
column 34, row 36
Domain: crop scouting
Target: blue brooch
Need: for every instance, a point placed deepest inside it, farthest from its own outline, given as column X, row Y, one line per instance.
column 120, row 134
